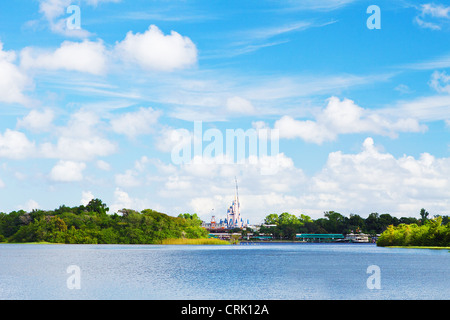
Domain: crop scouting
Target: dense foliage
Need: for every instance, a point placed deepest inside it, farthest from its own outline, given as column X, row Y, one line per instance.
column 286, row 226
column 92, row 224
column 431, row 233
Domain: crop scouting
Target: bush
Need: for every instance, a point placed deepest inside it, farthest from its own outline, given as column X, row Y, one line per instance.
column 431, row 233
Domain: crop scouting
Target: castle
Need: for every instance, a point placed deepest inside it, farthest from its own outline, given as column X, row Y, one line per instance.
column 233, row 219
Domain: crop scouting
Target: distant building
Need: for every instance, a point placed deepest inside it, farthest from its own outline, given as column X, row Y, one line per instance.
column 357, row 237
column 233, row 219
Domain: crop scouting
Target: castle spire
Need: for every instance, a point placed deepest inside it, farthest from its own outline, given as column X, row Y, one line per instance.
column 237, row 191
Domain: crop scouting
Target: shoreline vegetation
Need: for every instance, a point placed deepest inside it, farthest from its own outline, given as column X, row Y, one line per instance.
column 419, row 247
column 91, row 224
column 432, row 234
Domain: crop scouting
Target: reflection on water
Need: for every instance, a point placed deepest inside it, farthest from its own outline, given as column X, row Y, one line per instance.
column 261, row 271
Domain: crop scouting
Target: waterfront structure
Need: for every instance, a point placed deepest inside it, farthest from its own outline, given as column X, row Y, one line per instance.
column 358, row 237
column 319, row 237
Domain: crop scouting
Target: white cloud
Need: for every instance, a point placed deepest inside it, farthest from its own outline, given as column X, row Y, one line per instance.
column 37, row 121
column 79, row 140
column 307, row 130
column 12, row 80
column 29, row 206
column 136, row 123
column 403, row 89
column 87, row 56
column 169, row 138
column 53, row 10
column 96, row 2
column 86, row 197
column 122, row 200
column 343, row 117
column 133, row 177
column 440, row 62
column 78, row 148
column 153, row 50
column 103, row 165
column 432, row 108
column 435, row 10
column 440, row 82
column 363, row 182
column 15, row 145
column 128, row 179
column 438, row 13
column 371, row 180
column 211, row 181
column 240, row 105
column 68, row 171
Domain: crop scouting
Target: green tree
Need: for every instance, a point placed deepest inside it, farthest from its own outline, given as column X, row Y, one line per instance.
column 424, row 215
column 271, row 219
column 96, row 205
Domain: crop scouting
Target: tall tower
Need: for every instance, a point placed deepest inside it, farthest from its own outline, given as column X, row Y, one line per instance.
column 234, row 212
column 238, row 220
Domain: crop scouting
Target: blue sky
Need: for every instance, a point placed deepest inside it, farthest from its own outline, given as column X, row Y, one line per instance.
column 363, row 115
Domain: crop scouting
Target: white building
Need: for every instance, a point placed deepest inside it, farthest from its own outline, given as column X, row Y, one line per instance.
column 358, row 237
column 234, row 219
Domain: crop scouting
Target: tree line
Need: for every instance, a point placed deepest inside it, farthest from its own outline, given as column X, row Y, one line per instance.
column 286, row 225
column 91, row 224
column 433, row 233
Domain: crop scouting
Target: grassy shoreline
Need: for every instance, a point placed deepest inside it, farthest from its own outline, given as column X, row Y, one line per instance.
column 200, row 241
column 419, row 247
column 206, row 241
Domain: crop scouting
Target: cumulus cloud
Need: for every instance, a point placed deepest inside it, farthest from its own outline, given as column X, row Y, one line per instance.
column 77, row 148
column 15, row 145
column 152, row 50
column 87, row 56
column 86, row 197
column 210, row 181
column 240, row 105
column 122, row 200
column 136, row 123
column 29, row 206
column 370, row 180
column 79, row 140
column 37, row 121
column 343, row 117
column 13, row 81
column 67, row 171
column 170, row 138
column 133, row 177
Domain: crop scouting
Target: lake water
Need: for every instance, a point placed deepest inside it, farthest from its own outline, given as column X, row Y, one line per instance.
column 252, row 272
